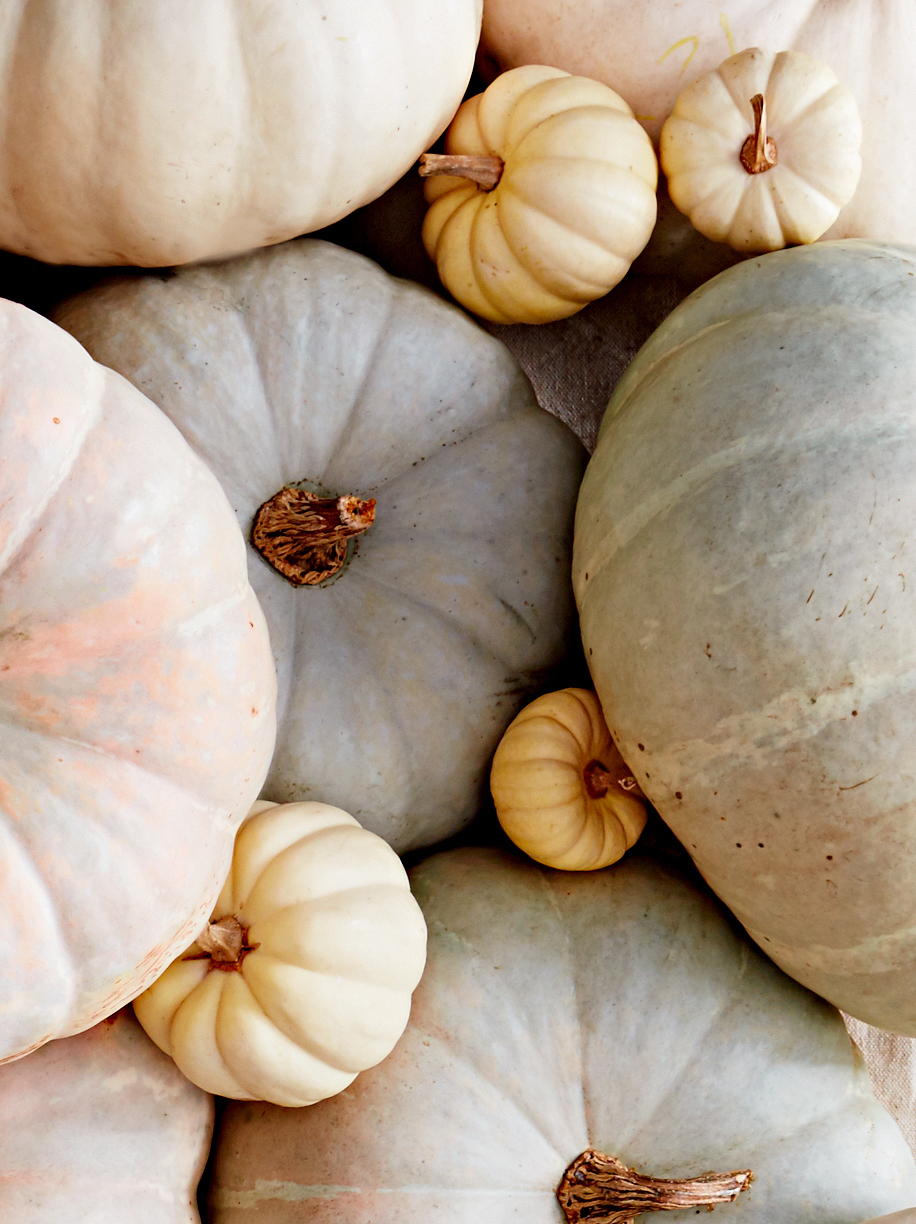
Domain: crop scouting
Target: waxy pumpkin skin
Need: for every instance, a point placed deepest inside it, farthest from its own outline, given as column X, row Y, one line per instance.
column 101, row 1128
column 620, row 1009
column 649, row 50
column 170, row 132
column 752, row 496
column 137, row 690
column 306, row 363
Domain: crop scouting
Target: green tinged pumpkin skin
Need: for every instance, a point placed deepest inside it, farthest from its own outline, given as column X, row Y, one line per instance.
column 751, row 498
column 306, row 363
column 618, row 1009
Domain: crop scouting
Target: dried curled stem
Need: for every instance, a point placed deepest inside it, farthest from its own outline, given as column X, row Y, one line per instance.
column 481, row 169
column 758, row 153
column 304, row 536
column 598, row 780
column 225, row 942
column 602, row 1190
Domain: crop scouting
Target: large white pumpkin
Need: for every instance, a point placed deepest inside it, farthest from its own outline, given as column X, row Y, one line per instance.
column 137, row 690
column 748, row 609
column 307, row 364
column 100, row 1129
column 618, row 1010
column 155, row 132
column 649, row 50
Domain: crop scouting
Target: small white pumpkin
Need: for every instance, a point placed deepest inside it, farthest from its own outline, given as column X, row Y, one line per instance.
column 564, row 199
column 303, row 977
column 763, row 152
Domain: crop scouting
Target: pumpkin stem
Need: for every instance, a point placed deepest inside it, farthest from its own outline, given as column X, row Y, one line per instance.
column 602, row 1190
column 304, row 536
column 598, row 780
column 480, row 169
column 758, row 153
column 225, row 942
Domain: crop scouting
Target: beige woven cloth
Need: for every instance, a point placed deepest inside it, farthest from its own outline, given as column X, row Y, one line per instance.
column 573, row 366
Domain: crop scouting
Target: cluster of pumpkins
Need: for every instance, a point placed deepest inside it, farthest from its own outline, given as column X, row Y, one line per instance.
column 289, row 548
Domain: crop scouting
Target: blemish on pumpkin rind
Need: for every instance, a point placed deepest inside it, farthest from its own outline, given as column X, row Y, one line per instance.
column 691, row 38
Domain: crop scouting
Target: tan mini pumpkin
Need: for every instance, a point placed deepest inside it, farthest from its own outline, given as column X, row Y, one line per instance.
column 304, row 975
column 562, row 791
column 564, row 198
column 763, row 152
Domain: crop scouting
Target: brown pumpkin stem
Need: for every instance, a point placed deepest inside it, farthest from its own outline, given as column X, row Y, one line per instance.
column 598, row 780
column 758, row 153
column 480, row 169
column 225, row 942
column 304, row 536
column 602, row 1190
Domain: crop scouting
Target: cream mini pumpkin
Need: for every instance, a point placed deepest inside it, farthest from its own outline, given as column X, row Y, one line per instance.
column 651, row 50
column 562, row 791
column 751, row 495
column 303, row 977
column 617, row 1010
column 564, row 198
column 101, row 1128
column 763, row 152
column 137, row 690
column 304, row 371
column 158, row 133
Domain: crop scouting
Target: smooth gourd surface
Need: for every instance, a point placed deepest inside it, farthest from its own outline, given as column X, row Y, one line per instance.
column 574, row 205
column 649, row 51
column 306, row 363
column 333, row 946
column 101, row 1128
column 158, row 133
column 618, row 1008
column 747, row 606
column 137, row 690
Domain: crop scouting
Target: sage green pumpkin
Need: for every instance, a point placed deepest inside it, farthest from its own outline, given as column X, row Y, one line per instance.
column 305, row 364
column 619, row 1009
column 749, row 612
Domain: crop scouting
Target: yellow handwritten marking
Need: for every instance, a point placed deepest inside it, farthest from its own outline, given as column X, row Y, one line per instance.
column 646, row 118
column 723, row 22
column 680, row 43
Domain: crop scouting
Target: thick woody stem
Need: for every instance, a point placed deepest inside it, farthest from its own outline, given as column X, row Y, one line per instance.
column 758, row 153
column 225, row 942
column 479, row 168
column 304, row 536
column 598, row 780
column 602, row 1190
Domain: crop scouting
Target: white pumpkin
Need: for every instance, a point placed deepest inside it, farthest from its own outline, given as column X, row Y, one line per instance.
column 101, row 1128
column 303, row 976
column 137, row 690
column 747, row 608
column 306, row 364
column 569, row 203
column 763, row 152
column 650, row 50
column 618, row 1010
column 158, row 133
